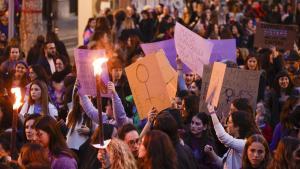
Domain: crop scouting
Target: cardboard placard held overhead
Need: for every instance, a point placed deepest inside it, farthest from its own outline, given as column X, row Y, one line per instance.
column 215, row 83
column 192, row 49
column 153, row 83
column 280, row 36
column 237, row 83
column 84, row 59
column 169, row 48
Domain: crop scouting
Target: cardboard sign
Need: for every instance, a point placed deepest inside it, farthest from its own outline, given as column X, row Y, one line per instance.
column 84, row 59
column 223, row 50
column 215, row 83
column 153, row 83
column 280, row 36
column 169, row 48
column 191, row 48
column 237, row 83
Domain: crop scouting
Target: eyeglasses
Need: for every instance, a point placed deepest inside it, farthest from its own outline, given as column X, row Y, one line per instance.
column 133, row 142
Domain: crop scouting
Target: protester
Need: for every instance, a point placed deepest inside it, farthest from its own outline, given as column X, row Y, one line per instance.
column 240, row 126
column 33, row 153
column 156, row 151
column 286, row 154
column 117, row 155
column 256, row 153
column 49, row 137
column 29, row 131
column 38, row 102
column 198, row 136
column 129, row 134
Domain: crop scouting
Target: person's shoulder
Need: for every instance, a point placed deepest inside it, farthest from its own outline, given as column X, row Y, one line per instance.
column 63, row 161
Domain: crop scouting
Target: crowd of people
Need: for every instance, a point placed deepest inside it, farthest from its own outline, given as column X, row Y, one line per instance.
column 58, row 124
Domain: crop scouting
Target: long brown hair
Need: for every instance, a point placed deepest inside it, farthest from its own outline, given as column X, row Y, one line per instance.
column 160, row 152
column 33, row 153
column 260, row 139
column 76, row 115
column 57, row 144
column 44, row 96
column 284, row 154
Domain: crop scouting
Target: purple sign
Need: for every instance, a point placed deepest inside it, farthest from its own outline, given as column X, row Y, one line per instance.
column 85, row 71
column 169, row 48
column 223, row 50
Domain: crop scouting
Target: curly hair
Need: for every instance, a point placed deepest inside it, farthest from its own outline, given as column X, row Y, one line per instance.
column 120, row 155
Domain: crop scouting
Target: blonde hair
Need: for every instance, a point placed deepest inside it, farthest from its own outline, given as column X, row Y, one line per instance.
column 121, row 155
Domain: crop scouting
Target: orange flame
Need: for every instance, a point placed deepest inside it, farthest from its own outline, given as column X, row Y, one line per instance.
column 17, row 92
column 97, row 65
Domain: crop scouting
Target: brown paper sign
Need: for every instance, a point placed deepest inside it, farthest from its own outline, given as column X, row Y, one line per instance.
column 153, row 83
column 215, row 83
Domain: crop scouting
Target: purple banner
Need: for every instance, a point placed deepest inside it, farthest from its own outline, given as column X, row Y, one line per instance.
column 85, row 71
column 169, row 48
column 223, row 50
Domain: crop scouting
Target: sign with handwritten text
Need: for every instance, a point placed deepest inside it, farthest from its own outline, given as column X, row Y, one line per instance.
column 237, row 83
column 84, row 59
column 192, row 49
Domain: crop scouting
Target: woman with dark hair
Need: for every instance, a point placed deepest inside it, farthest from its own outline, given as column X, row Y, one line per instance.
column 256, row 153
column 190, row 108
column 6, row 110
column 37, row 72
column 89, row 30
column 156, row 151
column 287, row 154
column 241, row 104
column 195, row 87
column 33, row 153
column 285, row 125
column 283, row 87
column 29, row 131
column 252, row 62
column 10, row 63
column 198, row 136
column 35, row 51
column 18, row 78
column 79, row 124
column 62, row 70
column 240, row 126
column 49, row 136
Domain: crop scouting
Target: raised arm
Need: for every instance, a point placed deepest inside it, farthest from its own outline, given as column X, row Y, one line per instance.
column 223, row 136
column 118, row 108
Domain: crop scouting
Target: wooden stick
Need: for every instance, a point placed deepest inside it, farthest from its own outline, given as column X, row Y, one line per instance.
column 99, row 106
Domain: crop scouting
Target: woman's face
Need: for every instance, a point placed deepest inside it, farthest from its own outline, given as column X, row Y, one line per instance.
column 92, row 24
column 234, row 30
column 256, row 154
column 59, row 65
column 142, row 150
column 231, row 129
column 20, row 69
column 232, row 109
column 32, row 74
column 42, row 138
column 284, row 82
column 35, row 92
column 29, row 131
column 194, row 89
column 252, row 63
column 189, row 78
column 117, row 73
column 197, row 126
column 14, row 53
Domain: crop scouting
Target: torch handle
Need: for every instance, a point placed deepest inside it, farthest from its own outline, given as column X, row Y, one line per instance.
column 99, row 106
